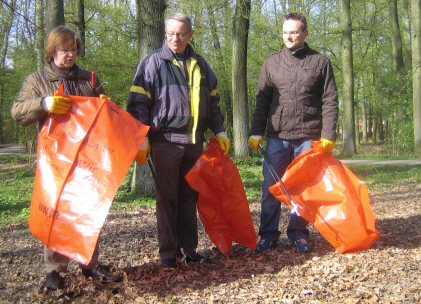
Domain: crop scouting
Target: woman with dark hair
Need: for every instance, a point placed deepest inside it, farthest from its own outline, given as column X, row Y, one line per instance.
column 36, row 100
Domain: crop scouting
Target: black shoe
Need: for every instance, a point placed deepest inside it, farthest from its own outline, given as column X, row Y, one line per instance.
column 100, row 271
column 197, row 258
column 54, row 280
column 168, row 264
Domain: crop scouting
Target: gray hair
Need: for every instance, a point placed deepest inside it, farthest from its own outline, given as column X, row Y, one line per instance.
column 180, row 17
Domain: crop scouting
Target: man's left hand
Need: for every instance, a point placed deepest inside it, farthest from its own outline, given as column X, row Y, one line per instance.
column 223, row 141
column 328, row 145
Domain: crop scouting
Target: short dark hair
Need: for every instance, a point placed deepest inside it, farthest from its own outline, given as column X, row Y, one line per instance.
column 297, row 16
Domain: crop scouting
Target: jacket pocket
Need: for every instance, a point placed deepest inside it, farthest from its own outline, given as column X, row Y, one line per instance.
column 311, row 76
column 274, row 120
column 311, row 120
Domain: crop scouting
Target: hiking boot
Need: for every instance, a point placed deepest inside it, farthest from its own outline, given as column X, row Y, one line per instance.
column 266, row 244
column 100, row 271
column 197, row 258
column 168, row 264
column 302, row 245
column 54, row 280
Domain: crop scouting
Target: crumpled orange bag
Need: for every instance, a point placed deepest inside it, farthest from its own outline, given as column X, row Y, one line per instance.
column 222, row 204
column 83, row 157
column 331, row 198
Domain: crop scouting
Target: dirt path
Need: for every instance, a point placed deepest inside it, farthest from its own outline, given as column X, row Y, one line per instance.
column 389, row 272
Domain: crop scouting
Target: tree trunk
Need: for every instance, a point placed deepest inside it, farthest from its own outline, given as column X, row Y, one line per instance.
column 416, row 72
column 363, row 111
column 150, row 24
column 40, row 36
column 54, row 15
column 5, row 34
column 348, row 80
column 395, row 34
column 239, row 76
column 81, row 26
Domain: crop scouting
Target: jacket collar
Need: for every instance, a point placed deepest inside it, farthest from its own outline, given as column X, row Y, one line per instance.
column 167, row 54
column 299, row 51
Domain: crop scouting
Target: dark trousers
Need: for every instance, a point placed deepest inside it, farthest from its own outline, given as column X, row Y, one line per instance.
column 176, row 202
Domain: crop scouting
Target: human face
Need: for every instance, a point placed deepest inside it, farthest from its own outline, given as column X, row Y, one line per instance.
column 292, row 34
column 65, row 56
column 181, row 35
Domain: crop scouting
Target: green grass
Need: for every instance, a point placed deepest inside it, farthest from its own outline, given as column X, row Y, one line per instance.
column 18, row 173
column 15, row 188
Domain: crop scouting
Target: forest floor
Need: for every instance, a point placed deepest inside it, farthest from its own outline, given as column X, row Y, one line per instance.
column 388, row 272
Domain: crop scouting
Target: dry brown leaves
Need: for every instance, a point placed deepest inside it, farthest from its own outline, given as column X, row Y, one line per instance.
column 389, row 272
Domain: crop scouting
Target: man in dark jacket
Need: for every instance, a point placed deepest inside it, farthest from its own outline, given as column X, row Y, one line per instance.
column 296, row 103
column 174, row 92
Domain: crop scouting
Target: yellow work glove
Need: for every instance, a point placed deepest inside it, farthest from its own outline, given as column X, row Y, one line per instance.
column 223, row 141
column 328, row 145
column 144, row 151
column 56, row 104
column 254, row 142
column 104, row 96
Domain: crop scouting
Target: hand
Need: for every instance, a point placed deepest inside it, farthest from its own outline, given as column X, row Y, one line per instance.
column 144, row 151
column 254, row 141
column 223, row 141
column 104, row 96
column 56, row 104
column 328, row 145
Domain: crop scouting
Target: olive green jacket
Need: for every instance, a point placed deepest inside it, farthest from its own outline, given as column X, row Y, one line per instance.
column 27, row 108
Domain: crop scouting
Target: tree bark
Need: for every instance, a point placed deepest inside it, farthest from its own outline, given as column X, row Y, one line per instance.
column 54, row 15
column 239, row 76
column 416, row 72
column 81, row 25
column 150, row 25
column 348, row 80
column 40, row 36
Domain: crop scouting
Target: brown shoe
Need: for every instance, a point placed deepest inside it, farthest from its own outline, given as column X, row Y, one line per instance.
column 100, row 271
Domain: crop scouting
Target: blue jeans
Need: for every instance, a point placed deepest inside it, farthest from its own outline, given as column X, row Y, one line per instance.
column 281, row 153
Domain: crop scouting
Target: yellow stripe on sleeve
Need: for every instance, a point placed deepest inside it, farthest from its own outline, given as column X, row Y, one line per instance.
column 140, row 90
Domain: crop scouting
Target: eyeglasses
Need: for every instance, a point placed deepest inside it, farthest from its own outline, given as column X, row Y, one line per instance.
column 291, row 33
column 68, row 52
column 178, row 35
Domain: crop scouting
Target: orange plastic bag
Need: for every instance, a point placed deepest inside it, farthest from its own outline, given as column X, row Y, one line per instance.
column 222, row 204
column 83, row 157
column 331, row 198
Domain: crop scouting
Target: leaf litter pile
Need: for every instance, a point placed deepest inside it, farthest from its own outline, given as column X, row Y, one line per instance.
column 388, row 272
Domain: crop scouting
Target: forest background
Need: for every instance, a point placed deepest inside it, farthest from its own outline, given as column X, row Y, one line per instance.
column 374, row 47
